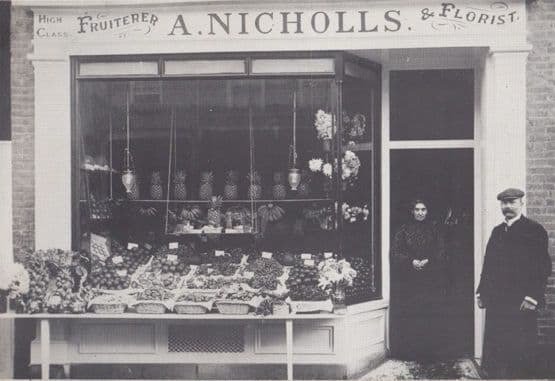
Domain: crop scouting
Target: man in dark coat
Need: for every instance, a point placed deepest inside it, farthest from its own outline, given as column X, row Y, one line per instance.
column 512, row 288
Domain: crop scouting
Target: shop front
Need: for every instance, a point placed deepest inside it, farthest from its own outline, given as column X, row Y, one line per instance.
column 204, row 157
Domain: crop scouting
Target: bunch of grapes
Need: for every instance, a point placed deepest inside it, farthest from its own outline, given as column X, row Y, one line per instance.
column 61, row 297
column 39, row 280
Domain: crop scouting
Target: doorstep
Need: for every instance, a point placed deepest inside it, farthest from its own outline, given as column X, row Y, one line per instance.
column 466, row 369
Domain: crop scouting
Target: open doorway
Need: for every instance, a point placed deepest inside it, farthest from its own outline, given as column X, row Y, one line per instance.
column 431, row 123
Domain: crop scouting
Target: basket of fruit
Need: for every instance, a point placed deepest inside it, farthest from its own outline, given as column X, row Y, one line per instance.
column 233, row 307
column 153, row 301
column 234, row 300
column 108, row 304
column 194, row 303
column 280, row 307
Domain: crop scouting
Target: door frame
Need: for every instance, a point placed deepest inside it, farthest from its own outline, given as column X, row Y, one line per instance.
column 427, row 60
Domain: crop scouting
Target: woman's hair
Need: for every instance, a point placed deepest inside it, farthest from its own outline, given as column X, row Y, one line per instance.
column 417, row 201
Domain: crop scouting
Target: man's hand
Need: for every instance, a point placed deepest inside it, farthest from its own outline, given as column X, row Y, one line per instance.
column 527, row 306
column 480, row 302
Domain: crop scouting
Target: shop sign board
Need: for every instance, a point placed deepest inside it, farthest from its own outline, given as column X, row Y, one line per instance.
column 244, row 22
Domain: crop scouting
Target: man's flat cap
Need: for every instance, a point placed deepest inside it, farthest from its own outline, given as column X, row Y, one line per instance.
column 510, row 194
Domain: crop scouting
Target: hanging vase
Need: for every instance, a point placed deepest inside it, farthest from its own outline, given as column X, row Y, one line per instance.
column 326, row 145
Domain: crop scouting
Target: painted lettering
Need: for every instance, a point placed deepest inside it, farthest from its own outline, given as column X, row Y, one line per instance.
column 257, row 22
column 326, row 20
column 286, row 22
column 483, row 18
column 179, row 24
column 392, row 17
column 341, row 23
column 243, row 23
column 83, row 22
column 363, row 20
column 223, row 25
column 446, row 8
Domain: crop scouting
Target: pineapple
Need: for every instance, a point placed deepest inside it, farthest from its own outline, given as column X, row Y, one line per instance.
column 179, row 188
column 206, row 185
column 279, row 190
column 133, row 194
column 214, row 214
column 156, row 191
column 255, row 189
column 231, row 190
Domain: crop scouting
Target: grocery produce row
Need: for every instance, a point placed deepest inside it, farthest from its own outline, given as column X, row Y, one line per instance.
column 177, row 278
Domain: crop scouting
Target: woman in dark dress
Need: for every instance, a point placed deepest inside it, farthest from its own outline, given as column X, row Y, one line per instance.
column 417, row 285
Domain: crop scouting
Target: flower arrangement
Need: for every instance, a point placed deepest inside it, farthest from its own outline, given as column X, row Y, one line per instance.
column 350, row 165
column 14, row 280
column 353, row 213
column 335, row 274
column 317, row 165
column 324, row 125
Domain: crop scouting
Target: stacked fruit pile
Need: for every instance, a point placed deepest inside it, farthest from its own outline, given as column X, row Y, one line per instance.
column 266, row 272
column 128, row 259
column 362, row 283
column 303, row 283
column 109, row 278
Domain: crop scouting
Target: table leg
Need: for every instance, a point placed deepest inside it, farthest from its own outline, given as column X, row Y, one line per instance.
column 45, row 349
column 289, row 347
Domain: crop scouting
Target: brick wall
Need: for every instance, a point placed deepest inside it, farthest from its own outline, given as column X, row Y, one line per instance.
column 541, row 137
column 22, row 87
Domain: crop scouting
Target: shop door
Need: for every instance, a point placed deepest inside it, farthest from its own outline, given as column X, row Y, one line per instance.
column 432, row 167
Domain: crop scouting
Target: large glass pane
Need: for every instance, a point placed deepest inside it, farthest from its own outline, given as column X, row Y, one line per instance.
column 431, row 104
column 284, row 112
column 359, row 212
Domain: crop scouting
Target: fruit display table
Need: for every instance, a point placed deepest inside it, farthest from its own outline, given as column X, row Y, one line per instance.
column 350, row 337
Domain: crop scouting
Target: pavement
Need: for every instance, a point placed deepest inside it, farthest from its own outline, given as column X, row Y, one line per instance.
column 461, row 369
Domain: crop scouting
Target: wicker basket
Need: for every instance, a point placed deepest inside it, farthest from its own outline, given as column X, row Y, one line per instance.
column 232, row 307
column 108, row 308
column 150, row 308
column 190, row 308
column 280, row 309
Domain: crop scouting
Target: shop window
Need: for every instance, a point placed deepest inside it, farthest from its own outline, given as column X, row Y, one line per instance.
column 203, row 67
column 431, row 105
column 182, row 141
column 118, row 68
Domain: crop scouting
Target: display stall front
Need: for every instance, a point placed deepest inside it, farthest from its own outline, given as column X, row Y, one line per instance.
column 226, row 168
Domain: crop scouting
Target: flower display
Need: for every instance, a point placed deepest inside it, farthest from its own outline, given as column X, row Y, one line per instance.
column 324, row 125
column 14, row 279
column 315, row 165
column 353, row 213
column 318, row 165
column 335, row 274
column 327, row 170
column 350, row 165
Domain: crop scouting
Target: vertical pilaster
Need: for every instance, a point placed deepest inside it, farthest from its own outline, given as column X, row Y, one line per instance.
column 503, row 143
column 52, row 154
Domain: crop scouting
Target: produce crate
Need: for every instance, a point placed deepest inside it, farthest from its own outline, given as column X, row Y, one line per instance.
column 190, row 308
column 280, row 309
column 233, row 307
column 108, row 308
column 150, row 308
